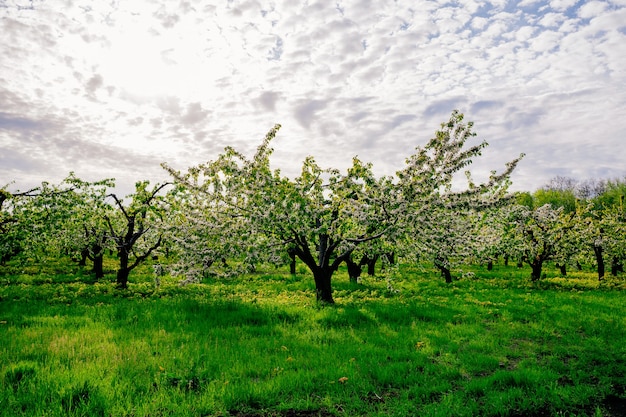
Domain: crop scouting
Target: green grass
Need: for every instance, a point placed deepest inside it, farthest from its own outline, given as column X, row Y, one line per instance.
column 491, row 344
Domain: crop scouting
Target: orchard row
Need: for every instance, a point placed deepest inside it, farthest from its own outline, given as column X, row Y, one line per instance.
column 234, row 212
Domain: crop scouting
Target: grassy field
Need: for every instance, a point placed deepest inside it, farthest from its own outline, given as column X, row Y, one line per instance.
column 489, row 344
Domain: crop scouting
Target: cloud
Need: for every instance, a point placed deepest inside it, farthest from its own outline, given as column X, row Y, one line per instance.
column 306, row 110
column 485, row 105
column 94, row 84
column 177, row 81
column 591, row 9
column 194, row 114
column 18, row 124
column 444, row 107
column 268, row 99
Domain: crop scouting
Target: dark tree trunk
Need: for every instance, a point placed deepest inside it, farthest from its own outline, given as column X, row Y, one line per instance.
column 616, row 266
column 490, row 266
column 354, row 270
column 506, row 260
column 98, row 260
column 579, row 266
column 323, row 289
column 520, row 264
column 536, row 265
column 371, row 265
column 563, row 269
column 98, row 265
column 445, row 271
column 84, row 254
column 124, row 270
column 597, row 250
column 292, row 262
column 122, row 278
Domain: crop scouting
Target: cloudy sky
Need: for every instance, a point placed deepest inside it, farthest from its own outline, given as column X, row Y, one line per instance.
column 114, row 88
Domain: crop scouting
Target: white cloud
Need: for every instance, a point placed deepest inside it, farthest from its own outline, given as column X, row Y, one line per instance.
column 562, row 5
column 591, row 9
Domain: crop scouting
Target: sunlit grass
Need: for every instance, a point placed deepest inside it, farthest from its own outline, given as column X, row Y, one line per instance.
column 489, row 344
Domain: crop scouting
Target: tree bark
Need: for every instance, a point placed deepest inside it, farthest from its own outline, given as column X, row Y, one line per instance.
column 616, row 266
column 323, row 289
column 445, row 271
column 563, row 269
column 124, row 270
column 371, row 265
column 122, row 278
column 84, row 254
column 354, row 270
column 536, row 265
column 98, row 265
column 292, row 262
column 597, row 250
column 490, row 265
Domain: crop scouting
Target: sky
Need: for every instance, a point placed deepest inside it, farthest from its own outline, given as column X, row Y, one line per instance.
column 114, row 88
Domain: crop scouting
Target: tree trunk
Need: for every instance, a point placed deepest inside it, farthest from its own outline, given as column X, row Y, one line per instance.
column 371, row 265
column 506, row 260
column 354, row 270
column 122, row 278
column 616, row 266
column 536, row 265
column 292, row 262
column 98, row 265
column 445, row 271
column 98, row 260
column 597, row 250
column 84, row 254
column 323, row 289
column 563, row 269
column 123, row 271
column 490, row 265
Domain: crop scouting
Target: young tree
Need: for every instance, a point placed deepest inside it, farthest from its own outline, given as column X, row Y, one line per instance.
column 13, row 229
column 50, row 219
column 134, row 229
column 84, row 232
column 437, row 217
column 197, row 232
column 540, row 234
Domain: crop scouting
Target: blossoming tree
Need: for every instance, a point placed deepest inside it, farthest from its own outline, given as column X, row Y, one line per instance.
column 323, row 215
